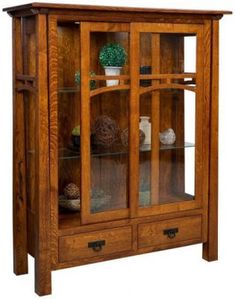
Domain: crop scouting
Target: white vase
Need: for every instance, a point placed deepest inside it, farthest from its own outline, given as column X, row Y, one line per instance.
column 112, row 71
column 145, row 126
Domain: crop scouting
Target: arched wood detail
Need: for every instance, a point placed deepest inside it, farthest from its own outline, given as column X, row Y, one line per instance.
column 108, row 89
column 167, row 86
column 22, row 87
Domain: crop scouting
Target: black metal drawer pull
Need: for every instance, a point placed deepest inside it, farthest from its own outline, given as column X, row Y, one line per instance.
column 96, row 245
column 171, row 232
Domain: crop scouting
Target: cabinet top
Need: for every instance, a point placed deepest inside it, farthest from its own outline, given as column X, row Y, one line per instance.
column 36, row 7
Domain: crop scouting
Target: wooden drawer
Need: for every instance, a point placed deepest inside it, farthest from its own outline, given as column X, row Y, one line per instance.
column 170, row 232
column 92, row 244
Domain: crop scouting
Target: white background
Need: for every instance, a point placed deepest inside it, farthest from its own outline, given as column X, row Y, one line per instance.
column 178, row 273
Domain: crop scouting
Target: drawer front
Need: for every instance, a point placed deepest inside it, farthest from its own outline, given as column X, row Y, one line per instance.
column 170, row 231
column 93, row 244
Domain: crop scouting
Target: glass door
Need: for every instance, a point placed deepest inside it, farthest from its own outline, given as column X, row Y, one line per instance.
column 130, row 114
column 166, row 89
column 105, row 97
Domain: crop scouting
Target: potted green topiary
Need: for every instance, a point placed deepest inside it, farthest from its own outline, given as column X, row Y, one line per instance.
column 78, row 79
column 76, row 136
column 112, row 57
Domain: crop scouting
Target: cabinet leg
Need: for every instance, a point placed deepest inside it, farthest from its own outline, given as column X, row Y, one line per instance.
column 20, row 263
column 20, row 256
column 20, row 251
column 42, row 279
column 210, row 251
column 210, row 248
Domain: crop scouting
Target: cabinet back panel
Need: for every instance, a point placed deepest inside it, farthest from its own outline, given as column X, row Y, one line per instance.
column 172, row 115
column 68, row 43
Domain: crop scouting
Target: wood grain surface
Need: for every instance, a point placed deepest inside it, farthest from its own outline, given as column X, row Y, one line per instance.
column 42, row 204
column 51, row 42
column 19, row 161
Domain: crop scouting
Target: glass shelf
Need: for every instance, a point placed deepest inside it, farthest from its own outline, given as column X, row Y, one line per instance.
column 72, row 89
column 145, row 198
column 147, row 147
column 72, row 153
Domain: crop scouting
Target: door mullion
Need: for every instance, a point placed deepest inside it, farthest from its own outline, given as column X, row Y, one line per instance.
column 134, row 122
column 85, row 123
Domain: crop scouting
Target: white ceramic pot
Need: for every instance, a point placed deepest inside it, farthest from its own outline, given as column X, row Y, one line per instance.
column 145, row 126
column 112, row 71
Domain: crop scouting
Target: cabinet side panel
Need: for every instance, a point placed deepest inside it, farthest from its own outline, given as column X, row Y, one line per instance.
column 19, row 184
column 205, row 57
column 29, row 70
column 210, row 248
column 53, row 106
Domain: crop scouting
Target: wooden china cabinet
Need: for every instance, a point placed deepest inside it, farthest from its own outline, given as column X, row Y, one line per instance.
column 136, row 195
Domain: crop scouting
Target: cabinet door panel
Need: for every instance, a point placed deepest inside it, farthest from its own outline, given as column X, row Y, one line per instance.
column 104, row 122
column 121, row 166
column 167, row 171
column 109, row 157
column 170, row 108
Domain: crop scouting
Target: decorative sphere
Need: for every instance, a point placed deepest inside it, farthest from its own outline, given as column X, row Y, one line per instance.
column 72, row 191
column 105, row 130
column 167, row 137
column 125, row 137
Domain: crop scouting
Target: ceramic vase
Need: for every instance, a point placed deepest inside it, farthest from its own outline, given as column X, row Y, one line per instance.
column 145, row 126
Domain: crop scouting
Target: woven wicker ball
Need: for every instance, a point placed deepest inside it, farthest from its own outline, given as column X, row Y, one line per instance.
column 124, row 137
column 105, row 130
column 72, row 191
